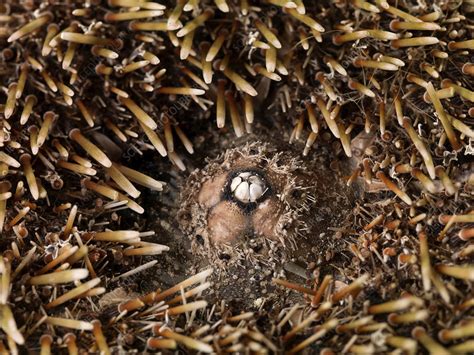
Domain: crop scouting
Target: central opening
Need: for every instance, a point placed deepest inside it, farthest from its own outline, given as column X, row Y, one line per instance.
column 247, row 188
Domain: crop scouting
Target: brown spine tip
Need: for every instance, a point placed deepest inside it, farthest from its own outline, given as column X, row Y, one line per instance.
column 109, row 16
column 418, row 332
column 466, row 233
column 336, row 39
column 393, row 25
column 468, row 68
column 46, row 339
column 443, row 335
column 25, row 157
column 73, row 133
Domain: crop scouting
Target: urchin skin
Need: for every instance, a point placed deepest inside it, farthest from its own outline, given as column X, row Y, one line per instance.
column 209, row 194
column 211, row 209
column 267, row 217
column 226, row 223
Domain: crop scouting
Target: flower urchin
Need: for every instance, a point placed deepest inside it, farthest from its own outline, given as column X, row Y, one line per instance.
column 90, row 87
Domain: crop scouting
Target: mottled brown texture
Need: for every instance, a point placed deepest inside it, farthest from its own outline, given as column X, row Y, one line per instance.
column 211, row 191
column 266, row 217
column 226, row 223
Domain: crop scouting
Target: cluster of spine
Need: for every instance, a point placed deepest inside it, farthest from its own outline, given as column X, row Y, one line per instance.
column 80, row 81
column 406, row 323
